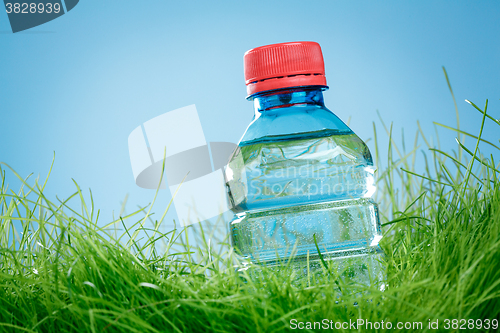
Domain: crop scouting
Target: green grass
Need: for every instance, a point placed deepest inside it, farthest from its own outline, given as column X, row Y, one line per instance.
column 61, row 272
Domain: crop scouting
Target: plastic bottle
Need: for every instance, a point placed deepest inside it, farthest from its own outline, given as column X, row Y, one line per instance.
column 300, row 177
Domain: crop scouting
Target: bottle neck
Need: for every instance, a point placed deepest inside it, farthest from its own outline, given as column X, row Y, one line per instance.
column 287, row 97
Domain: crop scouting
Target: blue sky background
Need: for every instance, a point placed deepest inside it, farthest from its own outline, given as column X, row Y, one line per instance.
column 80, row 84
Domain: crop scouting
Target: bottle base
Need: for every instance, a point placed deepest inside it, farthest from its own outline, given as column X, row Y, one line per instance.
column 360, row 267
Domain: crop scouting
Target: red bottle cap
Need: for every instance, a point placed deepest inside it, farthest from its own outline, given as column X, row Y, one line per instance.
column 284, row 65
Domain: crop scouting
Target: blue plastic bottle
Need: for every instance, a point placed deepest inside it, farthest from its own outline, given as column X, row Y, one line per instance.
column 300, row 177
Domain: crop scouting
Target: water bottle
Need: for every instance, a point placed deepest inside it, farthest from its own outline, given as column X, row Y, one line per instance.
column 300, row 181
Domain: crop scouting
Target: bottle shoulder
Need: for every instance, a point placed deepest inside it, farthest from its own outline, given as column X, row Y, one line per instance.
column 291, row 122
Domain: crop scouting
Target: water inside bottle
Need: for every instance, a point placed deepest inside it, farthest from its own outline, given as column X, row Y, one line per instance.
column 295, row 192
